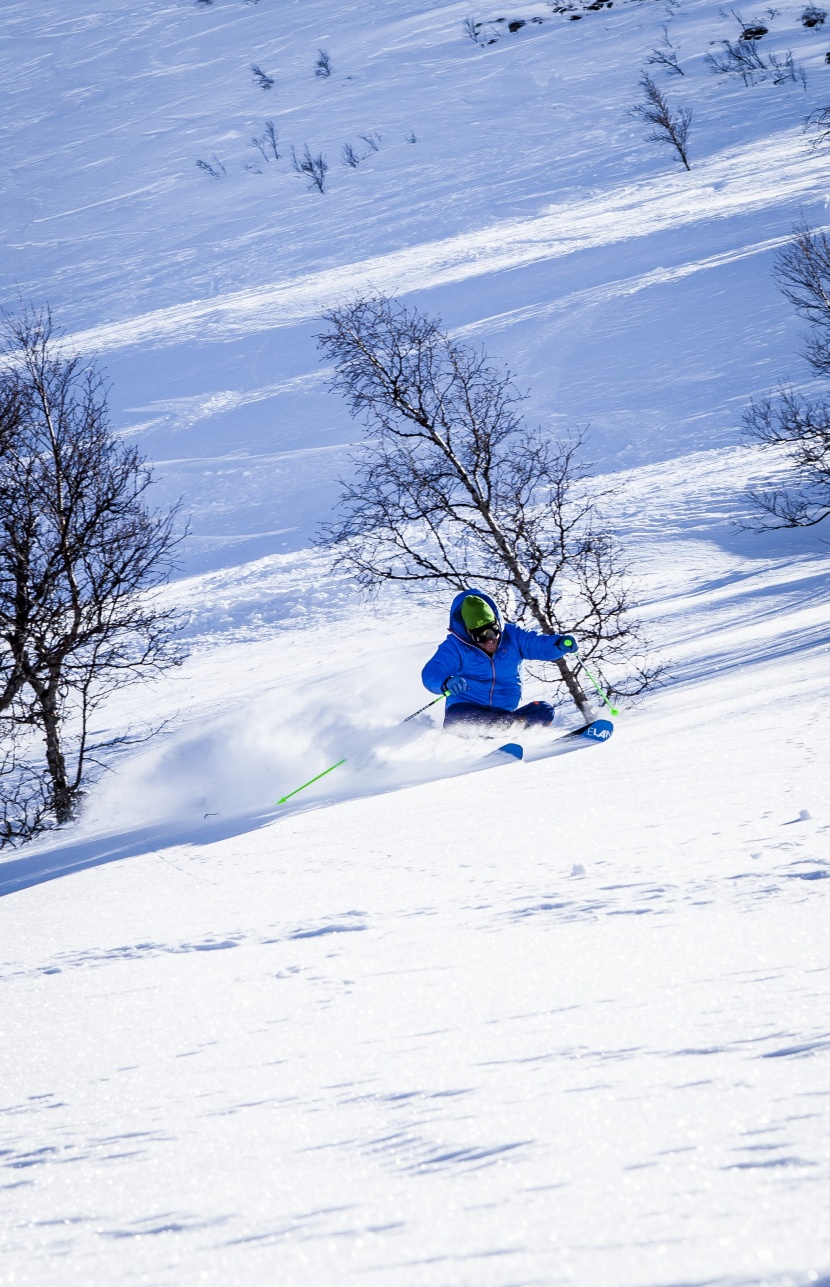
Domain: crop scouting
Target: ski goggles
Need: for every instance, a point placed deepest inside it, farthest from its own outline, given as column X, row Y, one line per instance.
column 485, row 633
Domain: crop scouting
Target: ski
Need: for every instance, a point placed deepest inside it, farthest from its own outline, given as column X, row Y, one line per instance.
column 507, row 754
column 597, row 731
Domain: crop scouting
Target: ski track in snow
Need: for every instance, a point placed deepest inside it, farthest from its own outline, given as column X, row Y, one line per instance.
column 557, row 1022
column 569, row 1023
column 726, row 185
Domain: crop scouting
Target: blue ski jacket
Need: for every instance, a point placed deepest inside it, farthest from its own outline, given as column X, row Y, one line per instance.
column 491, row 681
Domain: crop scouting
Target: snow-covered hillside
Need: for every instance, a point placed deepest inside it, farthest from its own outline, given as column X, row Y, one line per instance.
column 557, row 1022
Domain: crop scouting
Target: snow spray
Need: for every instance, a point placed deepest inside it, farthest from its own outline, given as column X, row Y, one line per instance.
column 332, row 767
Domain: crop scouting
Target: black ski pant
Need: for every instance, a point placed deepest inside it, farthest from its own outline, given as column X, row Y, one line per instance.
column 468, row 718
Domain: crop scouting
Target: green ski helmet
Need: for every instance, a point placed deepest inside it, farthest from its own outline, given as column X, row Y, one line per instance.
column 475, row 612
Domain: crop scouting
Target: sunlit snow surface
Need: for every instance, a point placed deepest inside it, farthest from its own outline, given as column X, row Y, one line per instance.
column 565, row 1021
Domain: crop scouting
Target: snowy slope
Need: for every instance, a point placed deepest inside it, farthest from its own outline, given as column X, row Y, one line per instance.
column 622, row 291
column 556, row 1022
column 541, row 1024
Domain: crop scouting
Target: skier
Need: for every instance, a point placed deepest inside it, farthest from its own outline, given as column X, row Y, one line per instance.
column 478, row 663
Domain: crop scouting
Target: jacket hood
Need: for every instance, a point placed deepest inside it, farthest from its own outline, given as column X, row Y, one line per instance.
column 457, row 626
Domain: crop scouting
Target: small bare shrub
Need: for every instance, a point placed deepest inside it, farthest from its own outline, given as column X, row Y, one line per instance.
column 481, row 33
column 813, row 17
column 315, row 168
column 818, row 125
column 262, row 78
column 270, row 135
column 216, row 170
column 671, row 128
column 350, row 157
column 373, row 140
column 267, row 142
column 665, row 55
column 785, row 69
column 322, row 67
column 739, row 58
column 742, row 58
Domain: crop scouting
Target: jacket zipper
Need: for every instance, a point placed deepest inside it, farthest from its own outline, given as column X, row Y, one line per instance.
column 492, row 659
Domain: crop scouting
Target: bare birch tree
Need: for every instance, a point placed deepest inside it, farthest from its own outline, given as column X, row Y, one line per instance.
column 670, row 127
column 790, row 421
column 664, row 55
column 315, row 168
column 452, row 488
column 79, row 551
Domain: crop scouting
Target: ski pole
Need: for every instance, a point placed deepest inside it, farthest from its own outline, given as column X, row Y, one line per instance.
column 611, row 708
column 330, row 769
column 421, row 710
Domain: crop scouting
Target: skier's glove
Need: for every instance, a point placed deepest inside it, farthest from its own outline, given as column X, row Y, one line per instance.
column 567, row 643
column 454, row 685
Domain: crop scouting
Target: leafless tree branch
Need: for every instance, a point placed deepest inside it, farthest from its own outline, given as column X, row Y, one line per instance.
column 788, row 420
column 315, row 168
column 802, row 428
column 452, row 488
column 670, row 127
column 664, row 55
column 80, row 556
column 802, row 270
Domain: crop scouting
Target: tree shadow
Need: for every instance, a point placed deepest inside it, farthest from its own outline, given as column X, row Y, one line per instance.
column 50, row 861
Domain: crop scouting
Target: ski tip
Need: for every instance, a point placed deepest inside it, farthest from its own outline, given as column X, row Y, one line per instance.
column 600, row 730
column 513, row 749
